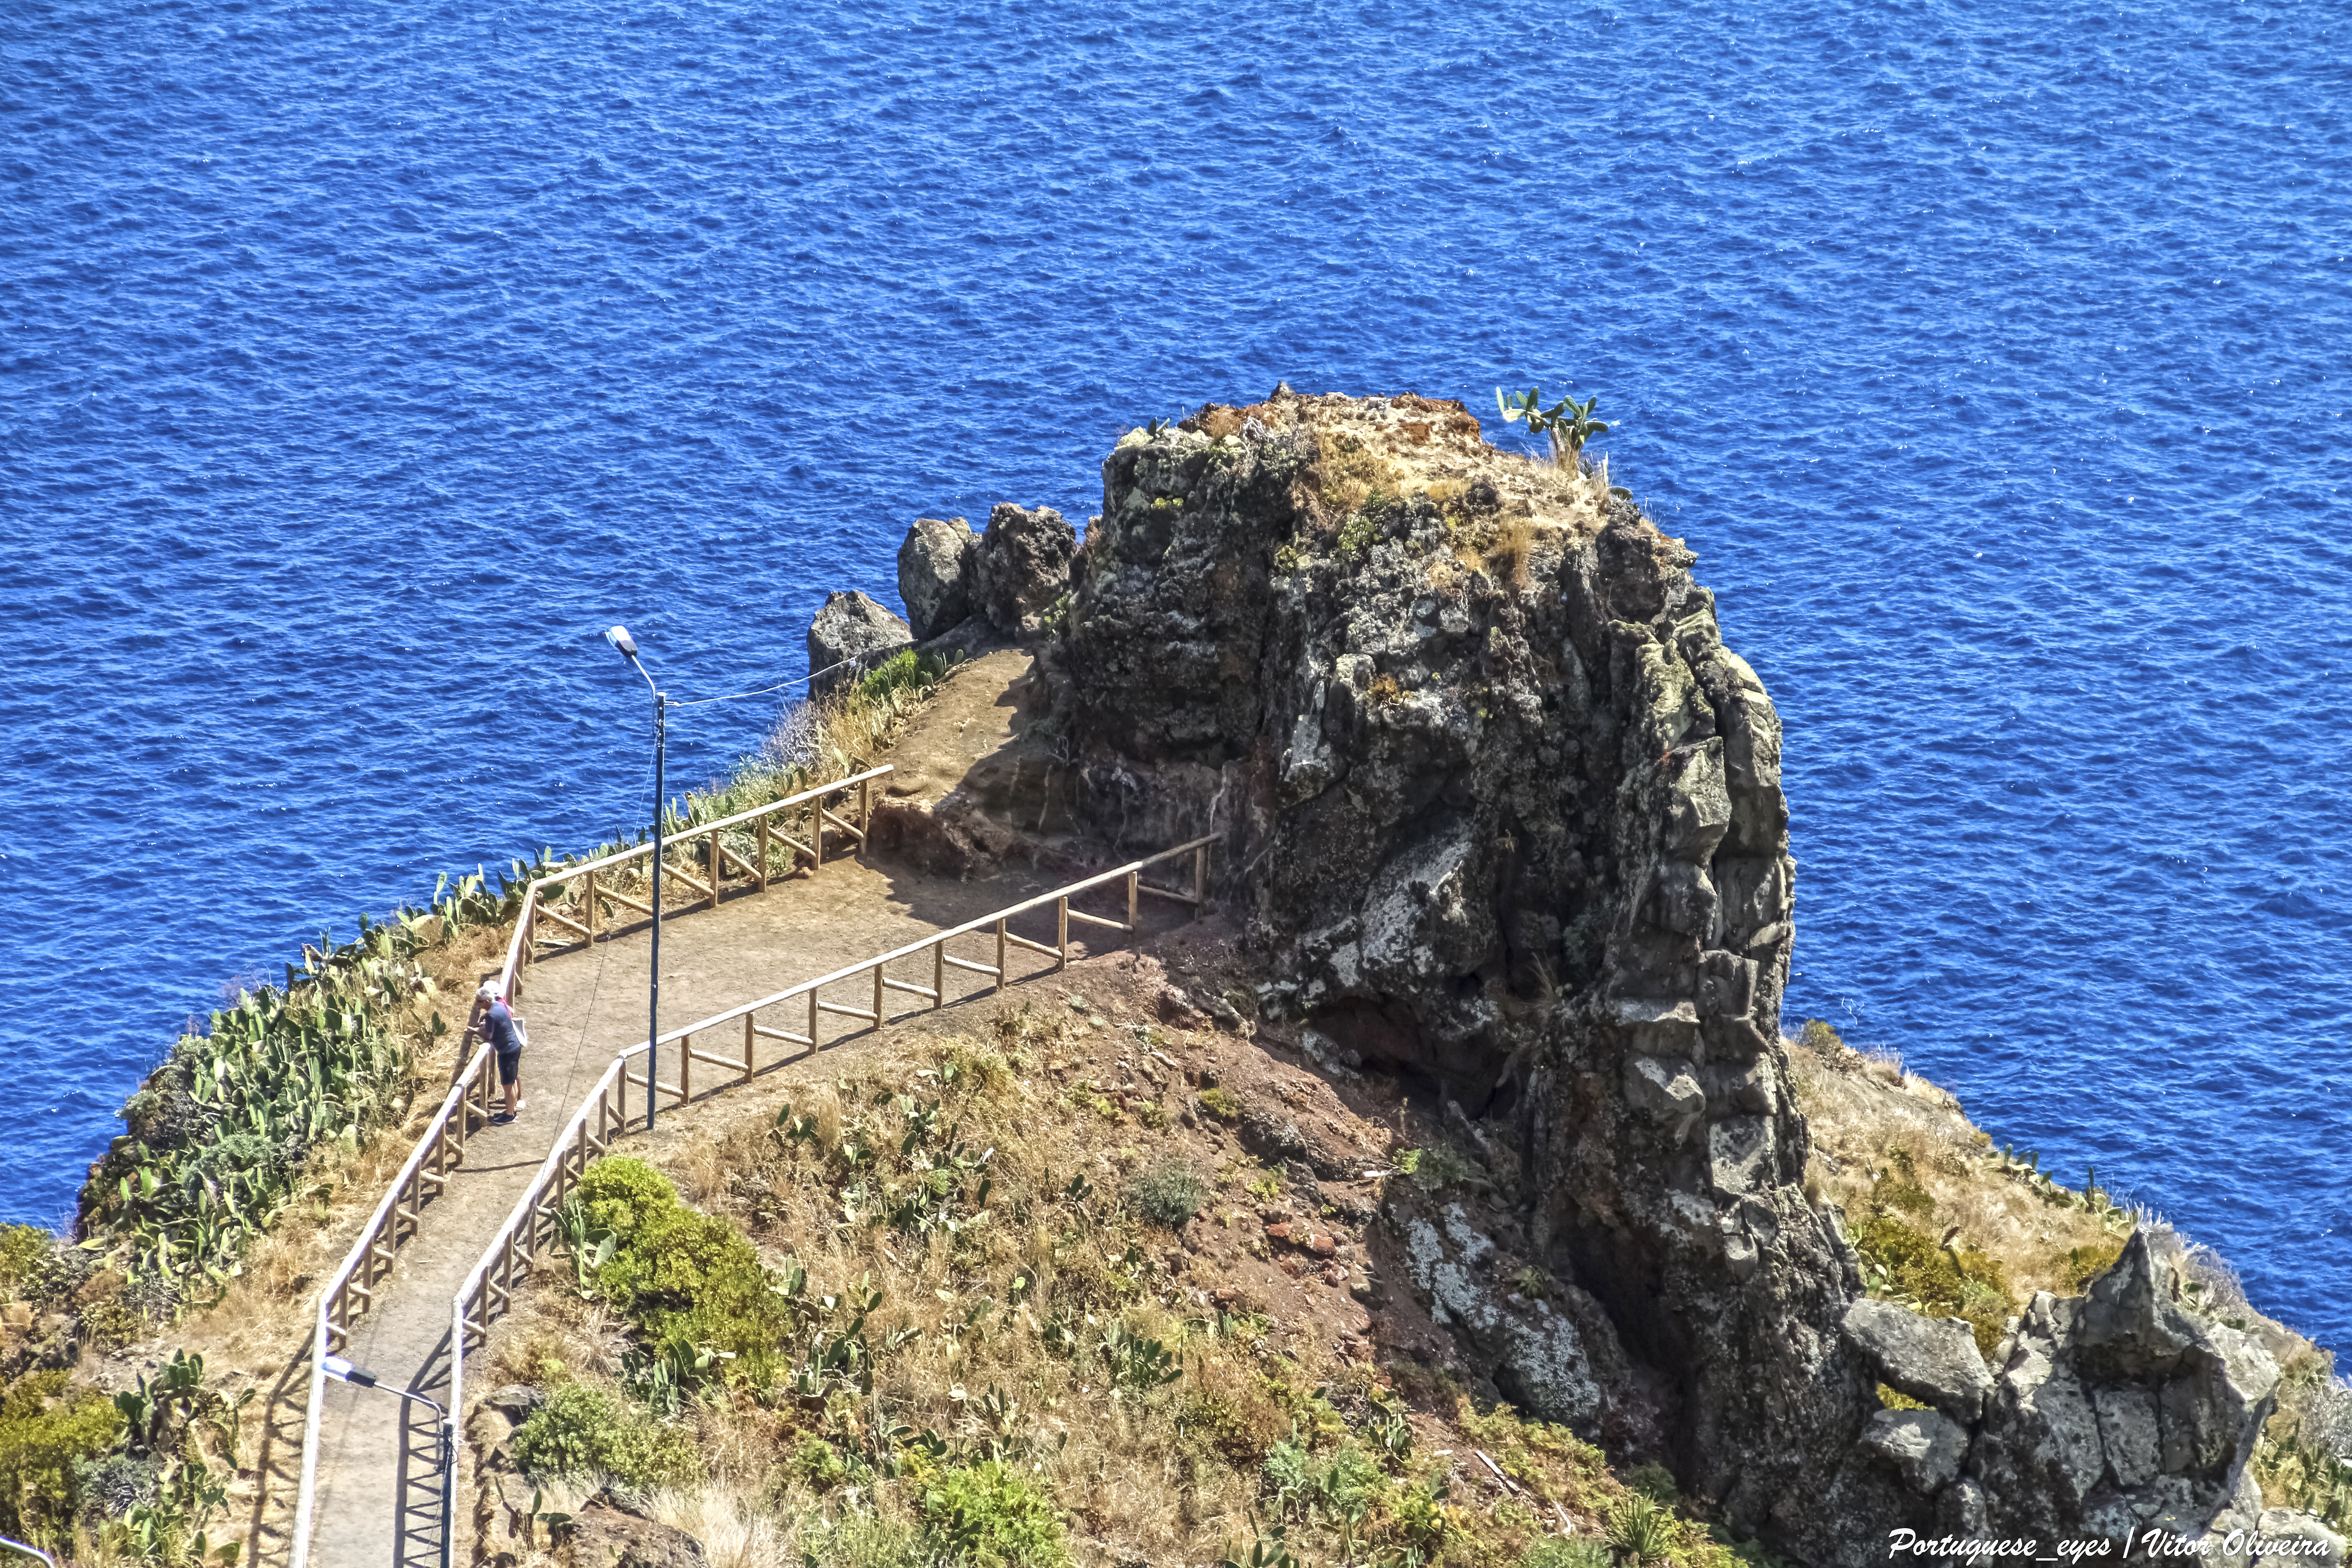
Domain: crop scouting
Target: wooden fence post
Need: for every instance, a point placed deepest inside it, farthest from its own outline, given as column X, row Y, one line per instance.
column 716, row 866
column 1062, row 933
column 939, row 974
column 1133, row 880
column 1199, row 879
column 684, row 1069
column 878, row 995
column 747, row 1038
column 816, row 828
column 764, row 854
column 1002, row 979
column 592, row 902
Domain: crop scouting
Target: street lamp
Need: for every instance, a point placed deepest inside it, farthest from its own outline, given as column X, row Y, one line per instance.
column 620, row 638
column 342, row 1371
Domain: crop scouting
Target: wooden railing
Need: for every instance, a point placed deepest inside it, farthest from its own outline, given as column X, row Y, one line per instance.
column 875, row 983
column 587, row 887
column 350, row 1291
column 489, row 1291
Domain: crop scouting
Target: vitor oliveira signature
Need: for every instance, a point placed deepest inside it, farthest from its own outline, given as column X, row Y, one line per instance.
column 2148, row 1544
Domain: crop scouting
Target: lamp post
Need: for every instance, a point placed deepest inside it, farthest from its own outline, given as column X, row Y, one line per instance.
column 342, row 1371
column 34, row 1550
column 620, row 638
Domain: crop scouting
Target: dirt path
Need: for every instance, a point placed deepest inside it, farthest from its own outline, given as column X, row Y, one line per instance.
column 379, row 1491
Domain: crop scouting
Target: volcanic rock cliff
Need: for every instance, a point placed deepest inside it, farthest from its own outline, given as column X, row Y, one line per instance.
column 1507, row 816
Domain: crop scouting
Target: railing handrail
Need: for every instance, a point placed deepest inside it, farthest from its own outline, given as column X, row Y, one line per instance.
column 546, row 1168
column 361, row 1247
column 574, row 1130
column 425, row 1145
column 518, row 948
column 921, row 944
column 673, row 835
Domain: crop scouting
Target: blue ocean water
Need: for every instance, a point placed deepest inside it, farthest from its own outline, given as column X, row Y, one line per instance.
column 359, row 363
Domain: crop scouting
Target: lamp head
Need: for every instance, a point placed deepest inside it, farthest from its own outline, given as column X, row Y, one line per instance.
column 620, row 638
column 342, row 1371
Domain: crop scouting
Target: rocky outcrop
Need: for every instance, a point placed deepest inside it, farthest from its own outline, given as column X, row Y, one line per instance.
column 2119, row 1410
column 608, row 1533
column 935, row 574
column 1021, row 568
column 1507, row 816
column 1514, row 820
column 850, row 632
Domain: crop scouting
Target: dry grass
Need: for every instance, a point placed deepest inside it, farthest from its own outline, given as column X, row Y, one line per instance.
column 1349, row 470
column 1083, row 1263
column 989, row 1333
column 1873, row 1124
column 1514, row 544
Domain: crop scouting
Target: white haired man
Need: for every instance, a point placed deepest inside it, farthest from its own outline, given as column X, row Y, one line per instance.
column 503, row 1031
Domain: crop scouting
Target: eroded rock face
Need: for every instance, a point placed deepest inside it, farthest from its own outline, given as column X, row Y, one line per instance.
column 1506, row 815
column 1021, row 567
column 1513, row 818
column 935, row 574
column 849, row 633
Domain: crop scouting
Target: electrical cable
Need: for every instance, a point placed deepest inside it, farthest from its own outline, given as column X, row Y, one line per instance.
column 587, row 1020
column 762, row 692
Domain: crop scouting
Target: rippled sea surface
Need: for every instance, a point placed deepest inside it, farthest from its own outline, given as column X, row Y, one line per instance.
column 359, row 363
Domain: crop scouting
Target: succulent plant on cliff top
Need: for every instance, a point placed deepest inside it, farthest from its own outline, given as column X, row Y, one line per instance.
column 1568, row 423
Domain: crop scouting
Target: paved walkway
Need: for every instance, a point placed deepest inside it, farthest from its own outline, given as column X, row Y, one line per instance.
column 379, row 1493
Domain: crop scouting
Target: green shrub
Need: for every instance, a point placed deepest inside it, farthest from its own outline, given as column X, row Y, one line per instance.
column 1362, row 528
column 992, row 1516
column 1328, row 1487
column 1439, row 1165
column 44, row 1432
column 1219, row 1102
column 23, row 1248
column 905, row 670
column 2084, row 1264
column 1167, row 1192
column 1892, row 1398
column 1904, row 1263
column 584, row 1433
column 824, row 1466
column 1819, row 1037
column 1905, row 1197
column 691, row 1281
column 615, row 1194
column 1655, row 1481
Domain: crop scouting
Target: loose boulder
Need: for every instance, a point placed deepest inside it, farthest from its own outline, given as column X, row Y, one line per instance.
column 1022, row 567
column 1932, row 1359
column 850, row 635
column 935, row 574
column 604, row 1536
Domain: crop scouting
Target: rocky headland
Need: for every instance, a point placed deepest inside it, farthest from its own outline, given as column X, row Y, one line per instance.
column 1506, row 819
column 1449, row 1193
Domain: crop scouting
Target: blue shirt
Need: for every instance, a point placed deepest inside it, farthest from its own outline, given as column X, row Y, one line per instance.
column 498, row 1028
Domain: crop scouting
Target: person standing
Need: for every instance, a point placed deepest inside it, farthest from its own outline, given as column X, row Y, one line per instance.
column 503, row 1031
